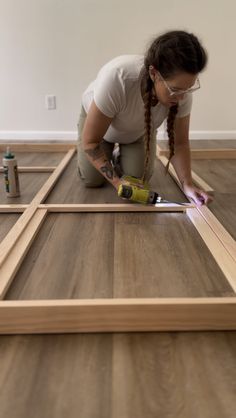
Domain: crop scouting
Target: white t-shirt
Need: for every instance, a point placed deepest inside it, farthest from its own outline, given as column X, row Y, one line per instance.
column 117, row 93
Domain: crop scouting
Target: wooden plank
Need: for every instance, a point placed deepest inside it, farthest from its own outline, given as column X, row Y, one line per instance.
column 9, row 241
column 226, row 267
column 209, row 154
column 171, row 170
column 38, row 147
column 116, row 207
column 36, row 169
column 13, row 208
column 199, row 182
column 16, row 256
column 214, row 154
column 203, row 143
column 218, row 250
column 108, row 207
column 223, row 235
column 117, row 315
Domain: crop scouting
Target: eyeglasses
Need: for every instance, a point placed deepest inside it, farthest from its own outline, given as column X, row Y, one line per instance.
column 173, row 92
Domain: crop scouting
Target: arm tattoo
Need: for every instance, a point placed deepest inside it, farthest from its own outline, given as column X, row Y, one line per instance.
column 108, row 171
column 96, row 153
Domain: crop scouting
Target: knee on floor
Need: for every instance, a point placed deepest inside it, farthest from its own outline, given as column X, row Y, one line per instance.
column 91, row 181
column 92, row 184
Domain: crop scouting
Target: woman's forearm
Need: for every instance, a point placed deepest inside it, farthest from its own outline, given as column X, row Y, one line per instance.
column 182, row 164
column 97, row 156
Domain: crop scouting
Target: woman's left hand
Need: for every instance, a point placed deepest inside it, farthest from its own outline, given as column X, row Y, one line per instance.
column 198, row 196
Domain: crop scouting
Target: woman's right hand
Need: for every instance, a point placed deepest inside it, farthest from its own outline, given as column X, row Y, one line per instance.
column 119, row 181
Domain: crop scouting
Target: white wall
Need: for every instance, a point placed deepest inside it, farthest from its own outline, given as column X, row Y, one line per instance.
column 57, row 46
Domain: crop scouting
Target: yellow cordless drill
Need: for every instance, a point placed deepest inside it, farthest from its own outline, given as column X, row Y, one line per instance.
column 137, row 191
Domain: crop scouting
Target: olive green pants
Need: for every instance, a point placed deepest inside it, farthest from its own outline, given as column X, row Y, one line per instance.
column 131, row 158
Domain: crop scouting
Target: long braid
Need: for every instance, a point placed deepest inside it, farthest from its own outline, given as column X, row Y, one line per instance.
column 147, row 136
column 171, row 132
column 171, row 53
column 149, row 100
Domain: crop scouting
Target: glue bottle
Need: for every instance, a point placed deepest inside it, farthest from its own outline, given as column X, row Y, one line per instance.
column 11, row 174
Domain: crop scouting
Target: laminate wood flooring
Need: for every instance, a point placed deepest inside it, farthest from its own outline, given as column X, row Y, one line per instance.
column 167, row 375
column 6, row 223
column 132, row 375
column 30, row 183
column 70, row 188
column 118, row 255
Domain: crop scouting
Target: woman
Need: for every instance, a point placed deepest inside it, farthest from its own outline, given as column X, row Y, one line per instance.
column 130, row 98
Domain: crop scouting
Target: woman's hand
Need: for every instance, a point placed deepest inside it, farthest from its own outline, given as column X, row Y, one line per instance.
column 198, row 196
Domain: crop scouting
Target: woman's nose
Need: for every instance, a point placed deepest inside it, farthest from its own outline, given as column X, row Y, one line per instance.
column 181, row 96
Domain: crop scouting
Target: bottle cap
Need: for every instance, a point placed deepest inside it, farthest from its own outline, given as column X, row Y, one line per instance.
column 8, row 155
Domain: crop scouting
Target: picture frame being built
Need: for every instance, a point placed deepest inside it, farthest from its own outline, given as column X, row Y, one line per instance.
column 112, row 315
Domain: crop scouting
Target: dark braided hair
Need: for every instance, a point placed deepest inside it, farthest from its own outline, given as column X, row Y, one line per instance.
column 147, row 97
column 171, row 133
column 170, row 53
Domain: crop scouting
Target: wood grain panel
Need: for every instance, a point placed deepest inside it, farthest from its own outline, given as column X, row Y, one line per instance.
column 145, row 255
column 201, row 144
column 117, row 315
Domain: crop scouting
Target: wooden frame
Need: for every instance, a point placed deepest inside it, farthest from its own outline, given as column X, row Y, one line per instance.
column 110, row 315
column 33, row 169
column 212, row 221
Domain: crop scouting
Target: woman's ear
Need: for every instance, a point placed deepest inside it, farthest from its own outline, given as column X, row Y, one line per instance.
column 152, row 73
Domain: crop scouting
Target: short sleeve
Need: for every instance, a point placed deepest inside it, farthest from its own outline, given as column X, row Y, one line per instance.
column 185, row 106
column 109, row 92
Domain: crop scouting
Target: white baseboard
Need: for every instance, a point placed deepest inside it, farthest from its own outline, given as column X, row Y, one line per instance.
column 42, row 136
column 59, row 136
column 204, row 135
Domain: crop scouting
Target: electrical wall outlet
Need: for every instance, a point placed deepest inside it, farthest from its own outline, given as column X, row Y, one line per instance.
column 50, row 102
